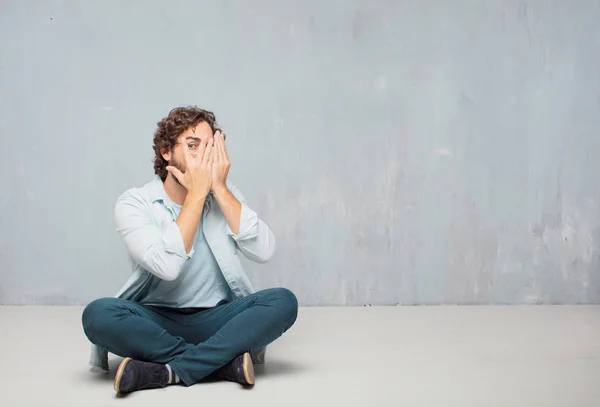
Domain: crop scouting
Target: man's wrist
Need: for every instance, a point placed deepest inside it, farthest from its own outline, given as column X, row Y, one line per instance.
column 196, row 199
column 220, row 189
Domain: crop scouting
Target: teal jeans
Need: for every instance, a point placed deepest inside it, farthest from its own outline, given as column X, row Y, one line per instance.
column 194, row 342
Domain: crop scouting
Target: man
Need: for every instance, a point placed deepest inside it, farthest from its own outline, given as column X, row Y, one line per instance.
column 188, row 312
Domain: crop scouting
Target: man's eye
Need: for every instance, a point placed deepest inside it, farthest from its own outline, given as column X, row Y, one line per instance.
column 192, row 146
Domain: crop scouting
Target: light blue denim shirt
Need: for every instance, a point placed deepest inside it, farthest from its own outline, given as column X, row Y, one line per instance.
column 145, row 219
column 200, row 282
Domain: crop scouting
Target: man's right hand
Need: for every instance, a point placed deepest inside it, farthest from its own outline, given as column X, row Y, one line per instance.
column 198, row 174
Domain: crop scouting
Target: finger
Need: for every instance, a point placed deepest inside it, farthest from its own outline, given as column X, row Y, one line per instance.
column 208, row 160
column 223, row 148
column 217, row 150
column 201, row 149
column 208, row 152
column 187, row 155
column 176, row 173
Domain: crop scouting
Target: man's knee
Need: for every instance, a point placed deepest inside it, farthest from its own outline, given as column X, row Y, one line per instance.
column 96, row 316
column 287, row 304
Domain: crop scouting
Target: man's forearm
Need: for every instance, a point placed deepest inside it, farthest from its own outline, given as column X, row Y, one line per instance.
column 230, row 206
column 189, row 218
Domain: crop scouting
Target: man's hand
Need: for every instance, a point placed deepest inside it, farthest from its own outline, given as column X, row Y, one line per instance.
column 221, row 164
column 197, row 180
column 229, row 205
column 198, row 174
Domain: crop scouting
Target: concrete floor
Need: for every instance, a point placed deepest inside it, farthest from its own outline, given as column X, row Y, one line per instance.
column 392, row 356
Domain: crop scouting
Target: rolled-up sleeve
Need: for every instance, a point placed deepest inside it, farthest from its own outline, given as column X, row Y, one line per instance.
column 254, row 239
column 160, row 252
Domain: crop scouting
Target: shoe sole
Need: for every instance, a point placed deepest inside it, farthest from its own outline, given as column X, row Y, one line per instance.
column 120, row 373
column 248, row 369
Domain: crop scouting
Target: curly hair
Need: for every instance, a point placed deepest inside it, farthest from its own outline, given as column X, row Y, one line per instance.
column 171, row 127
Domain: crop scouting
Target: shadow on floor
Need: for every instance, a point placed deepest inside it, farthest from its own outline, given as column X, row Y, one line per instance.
column 278, row 367
column 101, row 375
column 273, row 367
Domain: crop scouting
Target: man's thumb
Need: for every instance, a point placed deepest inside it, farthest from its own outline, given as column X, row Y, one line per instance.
column 176, row 173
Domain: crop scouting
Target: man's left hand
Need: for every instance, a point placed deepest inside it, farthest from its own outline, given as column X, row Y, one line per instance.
column 221, row 162
column 230, row 206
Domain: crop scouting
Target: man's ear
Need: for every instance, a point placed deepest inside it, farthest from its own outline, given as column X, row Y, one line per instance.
column 166, row 154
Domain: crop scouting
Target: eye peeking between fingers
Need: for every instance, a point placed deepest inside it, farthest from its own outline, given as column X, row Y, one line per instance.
column 193, row 146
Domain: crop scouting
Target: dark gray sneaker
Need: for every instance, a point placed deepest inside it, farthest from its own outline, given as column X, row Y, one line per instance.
column 134, row 375
column 239, row 370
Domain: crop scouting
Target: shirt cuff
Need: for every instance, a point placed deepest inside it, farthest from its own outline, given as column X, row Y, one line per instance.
column 173, row 242
column 248, row 225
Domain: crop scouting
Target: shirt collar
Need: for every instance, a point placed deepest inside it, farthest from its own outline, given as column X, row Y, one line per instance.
column 156, row 190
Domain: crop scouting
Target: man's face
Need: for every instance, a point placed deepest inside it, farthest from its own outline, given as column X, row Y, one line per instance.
column 191, row 138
